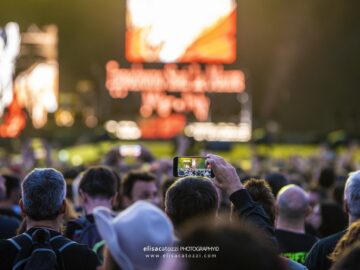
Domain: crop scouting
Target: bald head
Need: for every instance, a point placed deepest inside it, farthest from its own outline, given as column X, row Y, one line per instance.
column 292, row 202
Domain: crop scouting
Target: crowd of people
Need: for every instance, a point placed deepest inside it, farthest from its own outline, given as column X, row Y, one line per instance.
column 303, row 214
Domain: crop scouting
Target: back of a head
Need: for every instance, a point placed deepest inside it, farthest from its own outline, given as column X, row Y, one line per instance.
column 132, row 177
column 260, row 192
column 190, row 197
column 350, row 260
column 333, row 218
column 327, row 178
column 293, row 203
column 166, row 184
column 352, row 194
column 12, row 183
column 43, row 193
column 236, row 246
column 99, row 182
column 276, row 181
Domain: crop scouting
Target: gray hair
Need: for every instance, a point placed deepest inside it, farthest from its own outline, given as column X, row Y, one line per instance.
column 352, row 194
column 43, row 193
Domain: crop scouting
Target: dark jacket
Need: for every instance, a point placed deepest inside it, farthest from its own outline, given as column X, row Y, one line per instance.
column 317, row 258
column 8, row 227
column 253, row 212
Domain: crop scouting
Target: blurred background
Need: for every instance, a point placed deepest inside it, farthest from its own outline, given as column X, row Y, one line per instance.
column 284, row 77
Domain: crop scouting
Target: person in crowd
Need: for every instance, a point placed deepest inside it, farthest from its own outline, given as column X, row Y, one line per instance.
column 292, row 208
column 276, row 182
column 327, row 218
column 350, row 260
column 165, row 185
column 190, row 197
column 98, row 187
column 317, row 258
column 260, row 192
column 229, row 246
column 43, row 204
column 8, row 224
column 327, row 178
column 200, row 196
column 72, row 177
column 10, row 205
column 134, row 236
column 140, row 185
column 338, row 191
column 162, row 169
column 117, row 160
column 227, row 179
column 351, row 237
column 316, row 195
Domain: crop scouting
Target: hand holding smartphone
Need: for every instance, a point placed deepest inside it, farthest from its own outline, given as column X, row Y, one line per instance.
column 191, row 166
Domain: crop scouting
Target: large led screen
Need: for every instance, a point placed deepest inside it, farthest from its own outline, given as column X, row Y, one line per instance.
column 181, row 31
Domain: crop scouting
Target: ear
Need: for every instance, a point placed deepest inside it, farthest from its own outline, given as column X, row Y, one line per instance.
column 231, row 212
column 83, row 197
column 63, row 208
column 21, row 204
column 127, row 201
column 114, row 198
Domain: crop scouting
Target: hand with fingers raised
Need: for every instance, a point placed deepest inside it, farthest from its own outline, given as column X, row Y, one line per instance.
column 226, row 177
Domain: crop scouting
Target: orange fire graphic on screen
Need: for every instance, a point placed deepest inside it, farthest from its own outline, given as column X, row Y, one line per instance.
column 181, row 31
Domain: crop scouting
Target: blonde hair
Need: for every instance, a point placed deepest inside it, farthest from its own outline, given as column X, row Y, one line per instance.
column 350, row 238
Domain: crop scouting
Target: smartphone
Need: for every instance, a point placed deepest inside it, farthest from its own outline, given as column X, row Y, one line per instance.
column 191, row 166
column 130, row 150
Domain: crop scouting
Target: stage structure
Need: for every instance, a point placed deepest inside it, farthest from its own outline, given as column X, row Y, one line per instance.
column 29, row 77
column 193, row 42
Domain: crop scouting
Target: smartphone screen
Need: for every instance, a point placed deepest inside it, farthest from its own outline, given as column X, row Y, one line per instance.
column 191, row 166
column 130, row 150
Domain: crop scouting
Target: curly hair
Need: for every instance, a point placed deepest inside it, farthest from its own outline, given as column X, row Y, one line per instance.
column 351, row 237
column 261, row 192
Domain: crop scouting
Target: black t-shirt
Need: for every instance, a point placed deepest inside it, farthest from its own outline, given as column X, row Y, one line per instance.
column 317, row 258
column 8, row 227
column 295, row 246
column 75, row 256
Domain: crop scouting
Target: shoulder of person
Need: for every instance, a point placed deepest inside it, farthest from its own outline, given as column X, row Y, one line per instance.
column 317, row 256
column 78, row 251
column 329, row 241
column 8, row 254
column 9, row 220
column 5, row 245
column 292, row 265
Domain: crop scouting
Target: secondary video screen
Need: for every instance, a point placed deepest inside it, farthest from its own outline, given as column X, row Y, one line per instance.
column 193, row 166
